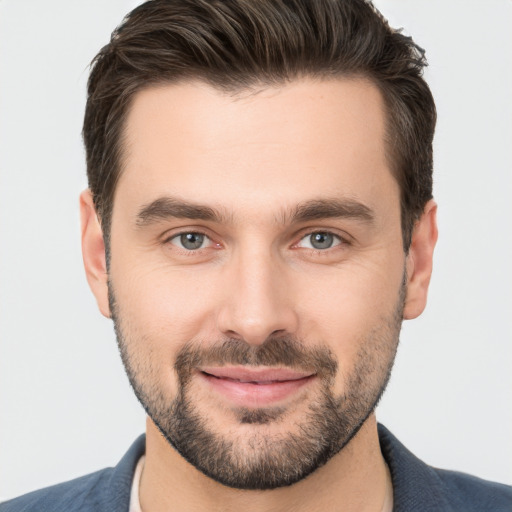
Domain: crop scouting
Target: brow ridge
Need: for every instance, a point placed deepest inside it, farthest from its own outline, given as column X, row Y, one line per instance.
column 316, row 209
column 169, row 207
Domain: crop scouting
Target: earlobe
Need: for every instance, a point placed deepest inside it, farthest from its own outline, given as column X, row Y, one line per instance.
column 419, row 261
column 93, row 252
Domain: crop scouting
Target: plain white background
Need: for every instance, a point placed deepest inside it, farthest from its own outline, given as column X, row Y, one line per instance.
column 65, row 404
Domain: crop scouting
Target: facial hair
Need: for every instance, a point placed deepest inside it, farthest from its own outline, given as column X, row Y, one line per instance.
column 260, row 460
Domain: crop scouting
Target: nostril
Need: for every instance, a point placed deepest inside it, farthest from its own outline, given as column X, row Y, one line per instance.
column 255, row 321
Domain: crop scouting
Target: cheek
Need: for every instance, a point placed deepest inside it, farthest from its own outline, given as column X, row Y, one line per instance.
column 348, row 307
column 166, row 306
column 158, row 311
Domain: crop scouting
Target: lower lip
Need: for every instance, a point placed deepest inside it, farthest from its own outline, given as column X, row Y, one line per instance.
column 252, row 394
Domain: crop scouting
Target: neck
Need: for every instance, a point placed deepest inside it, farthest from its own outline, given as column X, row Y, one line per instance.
column 356, row 479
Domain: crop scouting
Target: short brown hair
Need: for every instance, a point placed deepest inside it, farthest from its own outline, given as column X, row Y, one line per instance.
column 237, row 44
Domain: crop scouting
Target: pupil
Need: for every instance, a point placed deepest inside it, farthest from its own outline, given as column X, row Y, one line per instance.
column 321, row 240
column 192, row 240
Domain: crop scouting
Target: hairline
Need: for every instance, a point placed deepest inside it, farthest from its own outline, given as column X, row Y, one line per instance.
column 236, row 89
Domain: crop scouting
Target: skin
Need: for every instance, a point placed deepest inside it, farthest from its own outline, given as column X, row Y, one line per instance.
column 255, row 158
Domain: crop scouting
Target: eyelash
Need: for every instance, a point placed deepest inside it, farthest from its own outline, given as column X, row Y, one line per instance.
column 341, row 241
column 169, row 239
column 337, row 241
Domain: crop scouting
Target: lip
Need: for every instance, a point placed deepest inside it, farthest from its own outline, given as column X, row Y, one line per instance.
column 254, row 387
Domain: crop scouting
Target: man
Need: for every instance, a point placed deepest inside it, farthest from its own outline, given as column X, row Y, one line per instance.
column 259, row 221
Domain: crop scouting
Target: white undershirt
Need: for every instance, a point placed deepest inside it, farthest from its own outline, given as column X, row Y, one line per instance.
column 134, row 495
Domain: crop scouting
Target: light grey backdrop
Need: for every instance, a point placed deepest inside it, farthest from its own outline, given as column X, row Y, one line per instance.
column 66, row 407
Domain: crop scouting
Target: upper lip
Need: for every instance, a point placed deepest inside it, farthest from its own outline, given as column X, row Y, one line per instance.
column 245, row 374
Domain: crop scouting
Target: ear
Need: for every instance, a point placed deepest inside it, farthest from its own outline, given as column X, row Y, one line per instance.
column 93, row 252
column 419, row 261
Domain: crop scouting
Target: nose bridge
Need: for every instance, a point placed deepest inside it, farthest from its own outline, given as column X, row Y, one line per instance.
column 257, row 302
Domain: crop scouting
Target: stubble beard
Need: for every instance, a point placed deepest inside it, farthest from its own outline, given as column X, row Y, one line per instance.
column 261, row 460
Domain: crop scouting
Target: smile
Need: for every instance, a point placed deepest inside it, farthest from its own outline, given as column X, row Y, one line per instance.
column 254, row 387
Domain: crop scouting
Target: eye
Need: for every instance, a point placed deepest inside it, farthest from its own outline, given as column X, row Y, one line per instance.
column 319, row 240
column 190, row 241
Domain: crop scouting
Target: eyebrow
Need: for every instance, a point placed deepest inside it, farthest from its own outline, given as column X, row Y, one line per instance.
column 165, row 208
column 170, row 207
column 317, row 209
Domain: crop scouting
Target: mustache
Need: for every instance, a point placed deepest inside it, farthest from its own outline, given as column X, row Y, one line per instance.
column 275, row 351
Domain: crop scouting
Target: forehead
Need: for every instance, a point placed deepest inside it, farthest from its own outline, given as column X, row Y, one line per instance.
column 279, row 145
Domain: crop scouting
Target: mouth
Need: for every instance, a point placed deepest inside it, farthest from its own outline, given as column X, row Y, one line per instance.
column 254, row 387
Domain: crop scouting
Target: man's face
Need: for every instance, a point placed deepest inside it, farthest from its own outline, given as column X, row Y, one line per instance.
column 257, row 272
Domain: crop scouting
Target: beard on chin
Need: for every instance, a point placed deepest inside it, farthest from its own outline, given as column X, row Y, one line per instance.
column 257, row 458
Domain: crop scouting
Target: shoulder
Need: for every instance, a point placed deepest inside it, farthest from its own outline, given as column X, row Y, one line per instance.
column 420, row 487
column 78, row 494
column 107, row 490
column 475, row 493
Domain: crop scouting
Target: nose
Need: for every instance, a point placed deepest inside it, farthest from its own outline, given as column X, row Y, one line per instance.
column 258, row 301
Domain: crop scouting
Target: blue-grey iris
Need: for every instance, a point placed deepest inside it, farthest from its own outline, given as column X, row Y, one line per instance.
column 321, row 240
column 192, row 241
